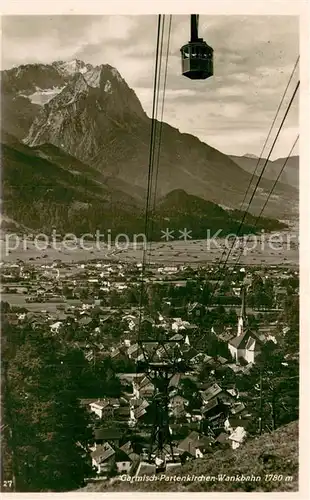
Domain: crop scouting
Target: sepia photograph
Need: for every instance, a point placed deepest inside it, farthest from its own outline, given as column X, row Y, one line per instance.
column 150, row 260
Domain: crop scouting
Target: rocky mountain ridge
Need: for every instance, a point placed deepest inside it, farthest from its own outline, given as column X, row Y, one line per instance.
column 95, row 117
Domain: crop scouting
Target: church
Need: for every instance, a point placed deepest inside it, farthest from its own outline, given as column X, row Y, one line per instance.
column 245, row 346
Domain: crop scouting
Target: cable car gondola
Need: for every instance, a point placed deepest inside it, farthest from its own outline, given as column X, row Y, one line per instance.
column 197, row 55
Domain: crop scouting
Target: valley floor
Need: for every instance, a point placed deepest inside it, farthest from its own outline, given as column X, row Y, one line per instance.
column 193, row 252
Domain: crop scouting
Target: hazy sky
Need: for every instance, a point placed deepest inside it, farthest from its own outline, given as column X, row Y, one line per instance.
column 253, row 59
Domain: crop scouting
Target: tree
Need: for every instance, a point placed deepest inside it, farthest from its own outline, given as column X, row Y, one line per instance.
column 232, row 317
column 273, row 389
column 204, row 373
column 50, row 430
column 190, row 392
column 261, row 294
column 4, row 307
column 291, row 320
column 132, row 296
column 253, row 323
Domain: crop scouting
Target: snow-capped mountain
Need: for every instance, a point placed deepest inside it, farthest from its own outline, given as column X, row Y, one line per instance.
column 93, row 104
column 69, row 68
column 42, row 82
column 92, row 114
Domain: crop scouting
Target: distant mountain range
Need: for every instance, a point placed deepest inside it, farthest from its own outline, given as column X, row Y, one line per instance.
column 290, row 174
column 249, row 155
column 75, row 154
column 48, row 189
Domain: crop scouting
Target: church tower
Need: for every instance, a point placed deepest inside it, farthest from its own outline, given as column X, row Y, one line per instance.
column 242, row 315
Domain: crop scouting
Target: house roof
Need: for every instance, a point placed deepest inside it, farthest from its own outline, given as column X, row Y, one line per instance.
column 129, row 377
column 201, row 358
column 238, row 435
column 136, row 402
column 246, row 369
column 177, row 337
column 240, row 341
column 134, row 457
column 151, row 346
column 213, row 403
column 130, row 317
column 251, row 344
column 123, row 411
column 234, row 368
column 189, row 354
column 237, row 408
column 146, row 468
column 222, row 438
column 141, row 410
column 133, row 348
column 103, row 453
column 175, row 380
column 101, row 403
column 127, row 447
column 121, row 455
column 238, row 422
column 144, row 404
column 225, row 336
column 147, row 390
column 113, row 401
column 194, row 441
column 145, row 382
column 216, row 417
column 85, row 320
column 222, row 360
column 148, row 319
column 106, row 433
column 106, row 318
column 87, row 402
column 116, row 352
column 212, row 391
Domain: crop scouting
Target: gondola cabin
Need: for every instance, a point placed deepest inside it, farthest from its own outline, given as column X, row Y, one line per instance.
column 197, row 55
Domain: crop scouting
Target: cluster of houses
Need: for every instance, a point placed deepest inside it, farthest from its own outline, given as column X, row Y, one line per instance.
column 226, row 417
column 220, row 420
column 48, row 281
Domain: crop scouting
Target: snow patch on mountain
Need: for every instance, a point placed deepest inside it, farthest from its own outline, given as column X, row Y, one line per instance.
column 92, row 77
column 108, row 87
column 42, row 96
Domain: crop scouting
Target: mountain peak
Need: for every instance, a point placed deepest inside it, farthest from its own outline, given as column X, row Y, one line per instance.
column 92, row 99
column 177, row 194
column 92, row 73
column 68, row 68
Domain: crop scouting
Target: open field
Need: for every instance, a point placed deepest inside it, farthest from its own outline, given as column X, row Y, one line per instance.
column 19, row 299
column 280, row 249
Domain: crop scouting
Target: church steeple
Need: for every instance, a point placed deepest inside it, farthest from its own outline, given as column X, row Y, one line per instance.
column 242, row 315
